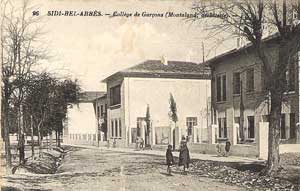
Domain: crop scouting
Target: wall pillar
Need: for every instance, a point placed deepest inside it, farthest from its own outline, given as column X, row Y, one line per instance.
column 297, row 130
column 287, row 125
column 231, row 132
column 152, row 134
column 212, row 134
column 143, row 129
column 177, row 135
column 235, row 133
column 263, row 140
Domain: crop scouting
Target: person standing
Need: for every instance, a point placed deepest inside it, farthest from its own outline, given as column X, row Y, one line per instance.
column 227, row 148
column 184, row 157
column 169, row 159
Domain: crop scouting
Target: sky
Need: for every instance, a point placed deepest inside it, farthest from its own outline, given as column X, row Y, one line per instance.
column 93, row 48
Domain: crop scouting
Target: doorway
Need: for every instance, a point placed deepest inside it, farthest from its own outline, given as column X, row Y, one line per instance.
column 174, row 143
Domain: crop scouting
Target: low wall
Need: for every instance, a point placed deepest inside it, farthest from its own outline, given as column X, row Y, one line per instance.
column 85, row 142
column 116, row 142
column 160, row 147
column 235, row 150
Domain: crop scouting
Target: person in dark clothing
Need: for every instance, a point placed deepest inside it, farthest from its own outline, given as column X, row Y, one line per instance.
column 169, row 158
column 227, row 148
column 184, row 157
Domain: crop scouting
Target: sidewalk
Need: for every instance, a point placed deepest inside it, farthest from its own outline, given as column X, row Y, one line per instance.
column 206, row 157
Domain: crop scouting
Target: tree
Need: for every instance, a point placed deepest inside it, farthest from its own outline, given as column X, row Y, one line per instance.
column 253, row 20
column 173, row 113
column 47, row 100
column 38, row 99
column 19, row 52
column 65, row 93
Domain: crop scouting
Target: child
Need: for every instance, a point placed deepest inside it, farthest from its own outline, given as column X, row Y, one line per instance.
column 227, row 148
column 184, row 157
column 170, row 159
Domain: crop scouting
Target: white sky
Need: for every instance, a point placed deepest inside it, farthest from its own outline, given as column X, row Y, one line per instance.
column 92, row 48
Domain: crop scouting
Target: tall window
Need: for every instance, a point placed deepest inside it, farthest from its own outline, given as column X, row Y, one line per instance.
column 291, row 74
column 115, row 95
column 98, row 112
column 251, row 130
column 250, row 80
column 236, row 83
column 282, row 127
column 224, row 87
column 120, row 128
column 221, row 87
column 222, row 127
column 101, row 110
column 190, row 123
column 112, row 128
column 116, row 128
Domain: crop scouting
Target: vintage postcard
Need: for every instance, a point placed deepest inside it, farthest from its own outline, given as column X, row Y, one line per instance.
column 150, row 95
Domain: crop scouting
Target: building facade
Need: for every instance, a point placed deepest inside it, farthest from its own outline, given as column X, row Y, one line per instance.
column 149, row 86
column 239, row 96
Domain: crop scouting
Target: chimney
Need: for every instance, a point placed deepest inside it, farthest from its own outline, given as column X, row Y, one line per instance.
column 164, row 60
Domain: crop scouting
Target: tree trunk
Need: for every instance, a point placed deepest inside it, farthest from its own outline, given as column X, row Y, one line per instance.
column 274, row 134
column 297, row 134
column 277, row 88
column 51, row 140
column 6, row 128
column 21, row 142
column 58, row 138
column 173, row 137
column 32, row 139
column 39, row 138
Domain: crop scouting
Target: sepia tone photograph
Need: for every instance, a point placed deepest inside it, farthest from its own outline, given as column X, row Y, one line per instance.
column 140, row 95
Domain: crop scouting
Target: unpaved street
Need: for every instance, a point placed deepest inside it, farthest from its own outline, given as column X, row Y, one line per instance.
column 96, row 169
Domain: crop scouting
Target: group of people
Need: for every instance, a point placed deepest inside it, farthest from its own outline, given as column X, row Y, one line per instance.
column 184, row 157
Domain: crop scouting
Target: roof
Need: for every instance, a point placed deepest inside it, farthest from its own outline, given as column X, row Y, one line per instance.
column 90, row 96
column 104, row 96
column 173, row 69
column 268, row 40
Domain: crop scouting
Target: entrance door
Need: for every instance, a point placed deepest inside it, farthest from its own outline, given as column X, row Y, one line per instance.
column 282, row 127
column 191, row 122
column 174, row 139
column 292, row 126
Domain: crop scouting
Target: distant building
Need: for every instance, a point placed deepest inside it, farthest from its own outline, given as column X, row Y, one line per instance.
column 150, row 83
column 100, row 107
column 81, row 126
column 90, row 96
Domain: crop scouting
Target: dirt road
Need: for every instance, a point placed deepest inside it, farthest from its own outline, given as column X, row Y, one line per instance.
column 95, row 169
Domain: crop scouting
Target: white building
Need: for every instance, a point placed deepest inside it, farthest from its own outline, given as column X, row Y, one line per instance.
column 81, row 126
column 151, row 83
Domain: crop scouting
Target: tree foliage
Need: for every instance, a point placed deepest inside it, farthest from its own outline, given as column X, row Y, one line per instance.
column 48, row 99
column 20, row 51
column 173, row 109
